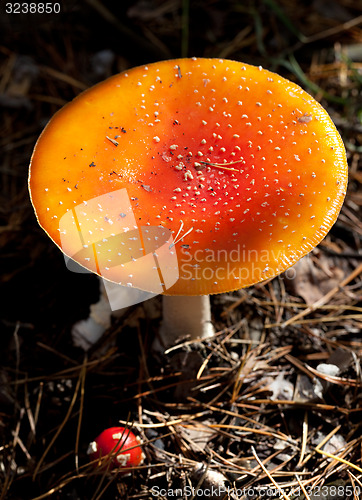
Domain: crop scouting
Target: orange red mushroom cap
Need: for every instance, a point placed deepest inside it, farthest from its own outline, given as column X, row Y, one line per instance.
column 244, row 167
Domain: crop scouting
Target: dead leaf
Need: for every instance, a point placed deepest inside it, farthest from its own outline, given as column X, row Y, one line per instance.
column 311, row 277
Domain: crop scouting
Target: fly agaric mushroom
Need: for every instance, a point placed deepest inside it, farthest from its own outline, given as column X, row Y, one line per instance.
column 245, row 169
column 119, row 445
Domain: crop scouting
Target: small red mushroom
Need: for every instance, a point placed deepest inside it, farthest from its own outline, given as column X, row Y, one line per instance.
column 119, row 445
column 245, row 169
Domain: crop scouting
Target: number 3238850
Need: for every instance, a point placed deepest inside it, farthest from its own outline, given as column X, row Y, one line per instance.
column 32, row 8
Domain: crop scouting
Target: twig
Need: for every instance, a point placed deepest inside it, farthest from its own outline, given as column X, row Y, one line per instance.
column 326, row 298
column 304, row 439
column 268, row 474
column 339, row 459
column 302, row 487
column 81, row 407
column 60, row 428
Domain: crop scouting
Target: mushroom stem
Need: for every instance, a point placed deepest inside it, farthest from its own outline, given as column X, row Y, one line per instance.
column 87, row 332
column 185, row 316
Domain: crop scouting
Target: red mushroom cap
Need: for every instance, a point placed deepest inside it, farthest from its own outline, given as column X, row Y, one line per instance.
column 244, row 164
column 120, row 444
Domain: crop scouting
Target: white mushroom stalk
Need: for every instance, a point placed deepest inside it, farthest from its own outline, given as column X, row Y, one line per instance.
column 186, row 318
column 87, row 332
